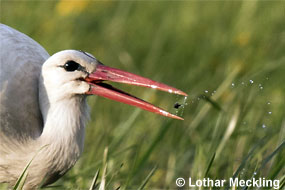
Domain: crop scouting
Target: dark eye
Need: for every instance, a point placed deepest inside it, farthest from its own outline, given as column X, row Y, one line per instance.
column 71, row 66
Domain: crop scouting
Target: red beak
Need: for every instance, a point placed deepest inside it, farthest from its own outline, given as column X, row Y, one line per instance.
column 104, row 73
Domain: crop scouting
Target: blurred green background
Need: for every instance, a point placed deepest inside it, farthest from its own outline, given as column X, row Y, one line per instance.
column 228, row 56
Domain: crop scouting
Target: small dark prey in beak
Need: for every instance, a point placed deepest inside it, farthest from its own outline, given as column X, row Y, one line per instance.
column 104, row 73
column 177, row 105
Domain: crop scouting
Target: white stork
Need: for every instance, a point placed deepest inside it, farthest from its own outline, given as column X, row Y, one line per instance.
column 42, row 101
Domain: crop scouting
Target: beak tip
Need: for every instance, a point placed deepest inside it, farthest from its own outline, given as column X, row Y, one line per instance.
column 180, row 118
column 179, row 92
column 175, row 117
column 184, row 94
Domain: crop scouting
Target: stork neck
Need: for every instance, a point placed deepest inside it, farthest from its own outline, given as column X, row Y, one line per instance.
column 64, row 126
column 63, row 133
column 65, row 121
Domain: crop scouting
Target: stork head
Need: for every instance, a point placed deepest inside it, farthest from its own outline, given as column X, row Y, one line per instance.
column 72, row 73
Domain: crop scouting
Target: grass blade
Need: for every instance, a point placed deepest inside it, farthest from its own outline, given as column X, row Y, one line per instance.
column 103, row 179
column 212, row 102
column 230, row 129
column 268, row 158
column 147, row 178
column 93, row 184
column 210, row 164
column 155, row 142
column 282, row 182
column 21, row 180
column 244, row 161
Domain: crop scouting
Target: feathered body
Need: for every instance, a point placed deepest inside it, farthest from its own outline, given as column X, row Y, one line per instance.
column 54, row 124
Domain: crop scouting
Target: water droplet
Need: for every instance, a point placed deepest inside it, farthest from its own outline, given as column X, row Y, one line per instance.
column 153, row 86
column 269, row 112
column 254, row 173
column 263, row 126
column 251, row 81
column 170, row 91
column 242, row 83
column 176, row 112
column 261, row 87
column 233, row 84
column 180, row 106
column 206, row 91
column 268, row 103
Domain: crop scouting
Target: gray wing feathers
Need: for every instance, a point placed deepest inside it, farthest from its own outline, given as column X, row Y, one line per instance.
column 21, row 59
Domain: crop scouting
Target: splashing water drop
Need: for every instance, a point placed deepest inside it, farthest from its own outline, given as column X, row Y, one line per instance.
column 251, row 81
column 242, row 83
column 233, row 84
column 254, row 173
column 268, row 103
column 206, row 91
column 269, row 112
column 263, row 126
column 213, row 93
column 153, row 86
column 180, row 107
column 176, row 112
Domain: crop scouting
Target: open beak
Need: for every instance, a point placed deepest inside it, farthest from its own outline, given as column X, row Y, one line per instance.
column 104, row 73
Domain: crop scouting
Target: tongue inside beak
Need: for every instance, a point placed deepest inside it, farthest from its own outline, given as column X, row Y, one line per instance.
column 104, row 73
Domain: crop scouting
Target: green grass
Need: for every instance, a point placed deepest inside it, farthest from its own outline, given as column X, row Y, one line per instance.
column 211, row 50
